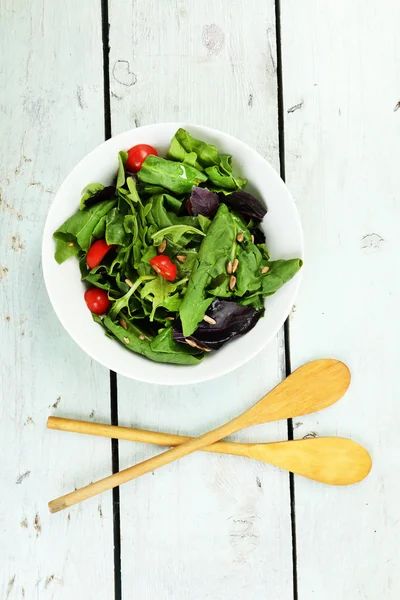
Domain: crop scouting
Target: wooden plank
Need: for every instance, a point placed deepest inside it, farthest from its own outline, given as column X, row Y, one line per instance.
column 207, row 526
column 341, row 83
column 51, row 115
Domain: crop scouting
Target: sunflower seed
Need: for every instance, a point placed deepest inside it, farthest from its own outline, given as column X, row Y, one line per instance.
column 142, row 337
column 209, row 320
column 123, row 323
column 232, row 282
column 126, row 340
column 264, row 270
column 235, row 265
column 252, row 238
column 240, row 237
column 162, row 246
column 203, row 348
column 195, row 345
column 229, row 267
column 129, row 282
column 181, row 258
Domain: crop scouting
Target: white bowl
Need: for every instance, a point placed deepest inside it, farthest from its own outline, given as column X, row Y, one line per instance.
column 281, row 225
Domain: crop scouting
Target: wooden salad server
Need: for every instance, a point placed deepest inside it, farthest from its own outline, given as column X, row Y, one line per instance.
column 312, row 387
column 331, row 460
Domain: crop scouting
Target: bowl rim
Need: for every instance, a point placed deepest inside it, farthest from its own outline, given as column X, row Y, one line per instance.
column 173, row 380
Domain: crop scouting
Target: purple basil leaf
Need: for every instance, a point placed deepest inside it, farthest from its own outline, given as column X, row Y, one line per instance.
column 259, row 235
column 202, row 202
column 245, row 204
column 232, row 319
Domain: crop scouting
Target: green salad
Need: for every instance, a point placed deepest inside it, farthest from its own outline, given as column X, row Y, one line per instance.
column 172, row 253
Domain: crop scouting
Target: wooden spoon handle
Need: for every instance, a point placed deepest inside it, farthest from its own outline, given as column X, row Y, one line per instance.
column 311, row 387
column 144, row 467
column 141, row 435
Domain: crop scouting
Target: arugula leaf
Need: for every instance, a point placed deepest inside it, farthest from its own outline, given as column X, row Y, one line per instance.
column 160, row 293
column 280, row 271
column 123, row 302
column 174, row 233
column 215, row 251
column 166, row 349
column 80, row 226
column 174, row 176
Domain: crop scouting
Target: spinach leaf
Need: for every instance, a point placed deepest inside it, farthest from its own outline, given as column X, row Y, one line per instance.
column 221, row 181
column 162, row 217
column 174, row 176
column 215, row 251
column 80, row 226
column 166, row 349
column 204, row 223
column 186, row 148
column 177, row 152
column 165, row 344
column 280, row 271
column 121, row 176
column 96, row 192
column 248, row 274
column 115, row 233
column 65, row 249
column 99, row 231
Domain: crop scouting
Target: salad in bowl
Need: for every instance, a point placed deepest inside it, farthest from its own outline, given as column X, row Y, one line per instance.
column 171, row 253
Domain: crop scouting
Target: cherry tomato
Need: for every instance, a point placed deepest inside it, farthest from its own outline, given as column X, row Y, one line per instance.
column 97, row 300
column 96, row 253
column 137, row 155
column 163, row 266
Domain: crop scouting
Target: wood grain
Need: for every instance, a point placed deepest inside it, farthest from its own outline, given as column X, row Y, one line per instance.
column 51, row 111
column 342, row 149
column 209, row 534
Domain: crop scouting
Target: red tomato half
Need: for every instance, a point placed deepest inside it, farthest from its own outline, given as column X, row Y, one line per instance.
column 137, row 155
column 164, row 267
column 97, row 300
column 96, row 253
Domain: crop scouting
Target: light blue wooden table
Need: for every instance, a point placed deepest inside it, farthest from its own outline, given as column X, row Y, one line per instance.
column 312, row 87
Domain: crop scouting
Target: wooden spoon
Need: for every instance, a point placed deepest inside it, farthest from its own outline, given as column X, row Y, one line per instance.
column 332, row 460
column 310, row 388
